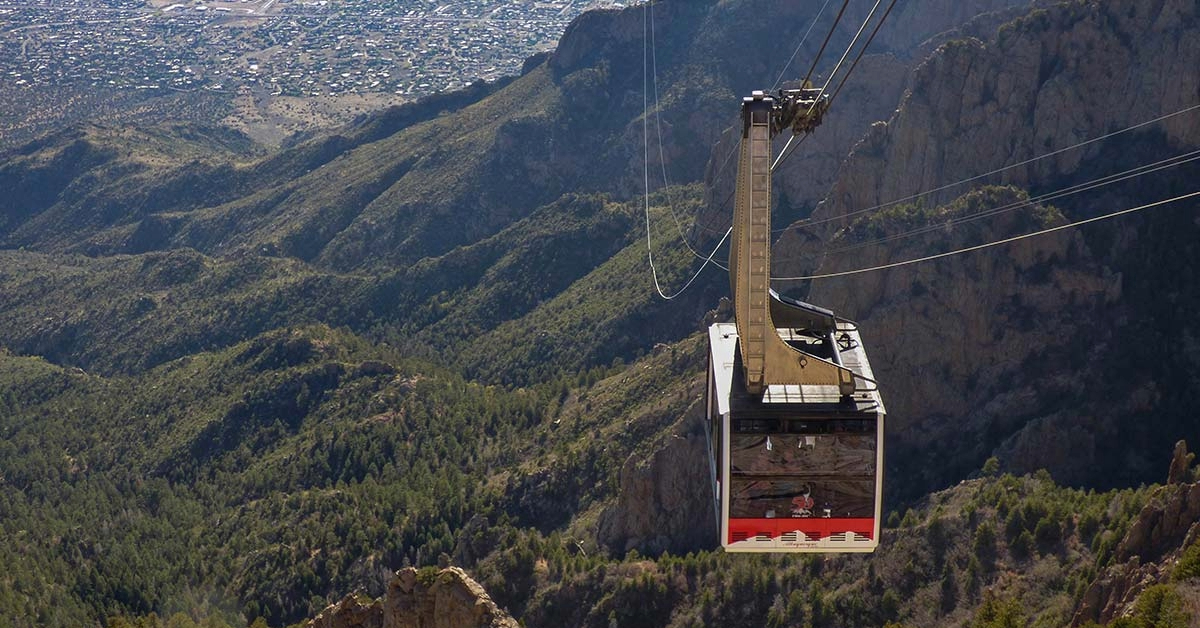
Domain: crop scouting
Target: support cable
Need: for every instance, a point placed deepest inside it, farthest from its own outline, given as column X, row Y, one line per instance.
column 844, row 55
column 1086, row 186
column 820, row 52
column 861, row 52
column 784, row 154
column 800, row 45
column 646, row 173
column 832, row 29
column 977, row 247
column 648, row 41
column 725, row 163
column 810, row 223
column 662, row 158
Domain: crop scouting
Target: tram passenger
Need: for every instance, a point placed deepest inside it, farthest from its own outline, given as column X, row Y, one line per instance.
column 802, row 504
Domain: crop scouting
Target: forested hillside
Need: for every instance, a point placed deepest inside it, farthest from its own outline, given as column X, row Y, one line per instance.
column 237, row 385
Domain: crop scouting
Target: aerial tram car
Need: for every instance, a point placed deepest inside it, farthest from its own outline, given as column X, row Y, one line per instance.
column 795, row 419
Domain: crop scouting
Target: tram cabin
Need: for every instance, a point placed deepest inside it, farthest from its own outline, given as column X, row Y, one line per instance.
column 799, row 467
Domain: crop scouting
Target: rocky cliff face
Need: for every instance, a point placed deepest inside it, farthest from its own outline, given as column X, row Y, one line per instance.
column 665, row 502
column 450, row 600
column 1014, row 350
column 880, row 79
column 1046, row 81
column 1148, row 553
column 967, row 348
column 402, row 186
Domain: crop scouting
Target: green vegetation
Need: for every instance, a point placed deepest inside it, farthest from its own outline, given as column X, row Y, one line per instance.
column 1159, row 606
column 280, row 473
column 268, row 478
column 1188, row 566
column 530, row 304
column 997, row 613
column 952, row 219
column 250, row 437
column 922, row 576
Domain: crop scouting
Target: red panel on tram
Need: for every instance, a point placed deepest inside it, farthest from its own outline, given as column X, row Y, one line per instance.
column 814, row 528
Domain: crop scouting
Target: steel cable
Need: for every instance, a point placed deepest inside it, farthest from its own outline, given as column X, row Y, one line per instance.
column 977, row 247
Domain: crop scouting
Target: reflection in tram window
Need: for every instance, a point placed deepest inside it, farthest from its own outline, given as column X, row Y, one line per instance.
column 802, row 475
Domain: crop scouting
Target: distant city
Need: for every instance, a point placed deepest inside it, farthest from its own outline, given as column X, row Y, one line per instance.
column 311, row 48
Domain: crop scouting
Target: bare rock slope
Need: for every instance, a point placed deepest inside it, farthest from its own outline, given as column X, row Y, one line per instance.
column 1168, row 525
column 450, row 600
column 1048, row 80
column 1012, row 351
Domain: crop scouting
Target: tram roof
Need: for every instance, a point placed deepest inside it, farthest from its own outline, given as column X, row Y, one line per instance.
column 793, row 400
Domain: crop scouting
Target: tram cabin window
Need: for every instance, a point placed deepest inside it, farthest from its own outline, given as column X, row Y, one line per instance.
column 826, row 472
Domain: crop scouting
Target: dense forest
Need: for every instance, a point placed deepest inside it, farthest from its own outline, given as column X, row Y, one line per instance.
column 186, row 495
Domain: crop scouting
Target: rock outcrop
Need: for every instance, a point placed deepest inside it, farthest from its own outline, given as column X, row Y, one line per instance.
column 353, row 611
column 879, row 81
column 1181, row 463
column 450, row 599
column 1166, row 526
column 1014, row 351
column 665, row 503
column 1049, row 80
column 966, row 347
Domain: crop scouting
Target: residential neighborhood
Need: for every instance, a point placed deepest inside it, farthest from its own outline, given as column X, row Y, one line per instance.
column 406, row 48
